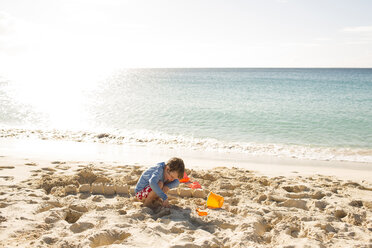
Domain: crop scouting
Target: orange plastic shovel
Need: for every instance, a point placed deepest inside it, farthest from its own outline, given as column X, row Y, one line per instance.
column 201, row 213
column 185, row 178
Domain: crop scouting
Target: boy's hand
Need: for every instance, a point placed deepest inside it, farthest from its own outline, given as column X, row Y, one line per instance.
column 165, row 189
column 166, row 203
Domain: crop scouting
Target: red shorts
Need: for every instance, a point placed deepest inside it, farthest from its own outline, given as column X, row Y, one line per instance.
column 144, row 193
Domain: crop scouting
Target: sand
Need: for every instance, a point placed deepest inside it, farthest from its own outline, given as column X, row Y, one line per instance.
column 49, row 203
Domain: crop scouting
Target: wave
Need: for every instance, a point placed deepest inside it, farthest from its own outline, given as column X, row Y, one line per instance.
column 141, row 137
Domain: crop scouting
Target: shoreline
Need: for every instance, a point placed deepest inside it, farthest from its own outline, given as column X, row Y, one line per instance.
column 155, row 139
column 23, row 150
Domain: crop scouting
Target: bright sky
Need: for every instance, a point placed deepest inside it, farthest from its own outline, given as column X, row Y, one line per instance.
column 75, row 36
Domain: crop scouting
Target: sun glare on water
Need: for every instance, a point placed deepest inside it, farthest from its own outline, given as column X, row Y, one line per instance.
column 58, row 97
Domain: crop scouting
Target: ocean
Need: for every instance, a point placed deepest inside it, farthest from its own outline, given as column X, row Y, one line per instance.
column 323, row 114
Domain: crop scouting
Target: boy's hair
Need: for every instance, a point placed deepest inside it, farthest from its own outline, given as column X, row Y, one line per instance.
column 176, row 164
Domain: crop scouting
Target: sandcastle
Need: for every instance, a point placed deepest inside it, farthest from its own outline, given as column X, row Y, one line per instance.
column 187, row 192
column 70, row 189
column 87, row 182
column 99, row 189
column 112, row 189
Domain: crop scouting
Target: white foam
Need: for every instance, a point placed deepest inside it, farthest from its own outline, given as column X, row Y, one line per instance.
column 146, row 137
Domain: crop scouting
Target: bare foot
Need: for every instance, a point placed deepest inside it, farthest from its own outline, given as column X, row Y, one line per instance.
column 153, row 204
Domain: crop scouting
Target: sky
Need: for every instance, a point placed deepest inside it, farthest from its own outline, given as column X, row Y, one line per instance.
column 80, row 37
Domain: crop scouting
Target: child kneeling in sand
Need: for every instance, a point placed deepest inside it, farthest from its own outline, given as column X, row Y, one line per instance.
column 157, row 180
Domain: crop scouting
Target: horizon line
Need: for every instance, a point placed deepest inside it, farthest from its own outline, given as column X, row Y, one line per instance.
column 247, row 68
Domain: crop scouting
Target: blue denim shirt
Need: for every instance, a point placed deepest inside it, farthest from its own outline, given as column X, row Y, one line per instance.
column 151, row 177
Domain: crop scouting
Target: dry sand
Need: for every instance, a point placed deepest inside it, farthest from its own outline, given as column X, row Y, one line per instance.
column 77, row 204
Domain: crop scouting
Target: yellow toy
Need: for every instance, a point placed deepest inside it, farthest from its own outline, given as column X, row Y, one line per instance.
column 214, row 200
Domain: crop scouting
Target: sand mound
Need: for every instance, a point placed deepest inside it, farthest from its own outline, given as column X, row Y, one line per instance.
column 86, row 176
column 71, row 184
column 47, row 182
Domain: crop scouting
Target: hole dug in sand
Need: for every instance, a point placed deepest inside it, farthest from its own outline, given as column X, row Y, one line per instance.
column 260, row 228
column 293, row 231
column 108, row 237
column 72, row 216
column 340, row 213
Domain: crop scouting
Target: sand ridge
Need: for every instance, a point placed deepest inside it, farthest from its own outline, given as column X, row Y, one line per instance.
column 67, row 204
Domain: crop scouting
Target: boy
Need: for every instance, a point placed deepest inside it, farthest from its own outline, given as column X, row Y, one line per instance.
column 157, row 180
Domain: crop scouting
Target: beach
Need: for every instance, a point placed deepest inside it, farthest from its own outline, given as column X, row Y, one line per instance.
column 71, row 194
column 268, row 103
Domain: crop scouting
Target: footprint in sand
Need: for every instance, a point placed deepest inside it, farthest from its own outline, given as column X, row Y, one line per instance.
column 295, row 188
column 31, row 164
column 81, row 227
column 45, row 206
column 224, row 225
column 79, row 208
column 356, row 203
column 176, row 230
column 161, row 212
column 108, row 237
column 58, row 162
column 261, row 198
column 55, row 216
column 261, row 228
column 72, row 216
column 184, row 241
column 159, row 228
column 209, row 177
column 293, row 231
column 4, row 205
column 122, row 212
column 49, row 169
column 49, row 239
column 327, row 227
column 97, row 198
column 6, row 167
column 291, row 203
column 7, row 178
column 321, row 204
column 228, row 186
column 62, row 167
column 233, row 201
column 318, row 195
column 340, row 213
column 297, row 195
column 2, row 219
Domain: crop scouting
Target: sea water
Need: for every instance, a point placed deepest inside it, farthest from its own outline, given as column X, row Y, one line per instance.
column 306, row 113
